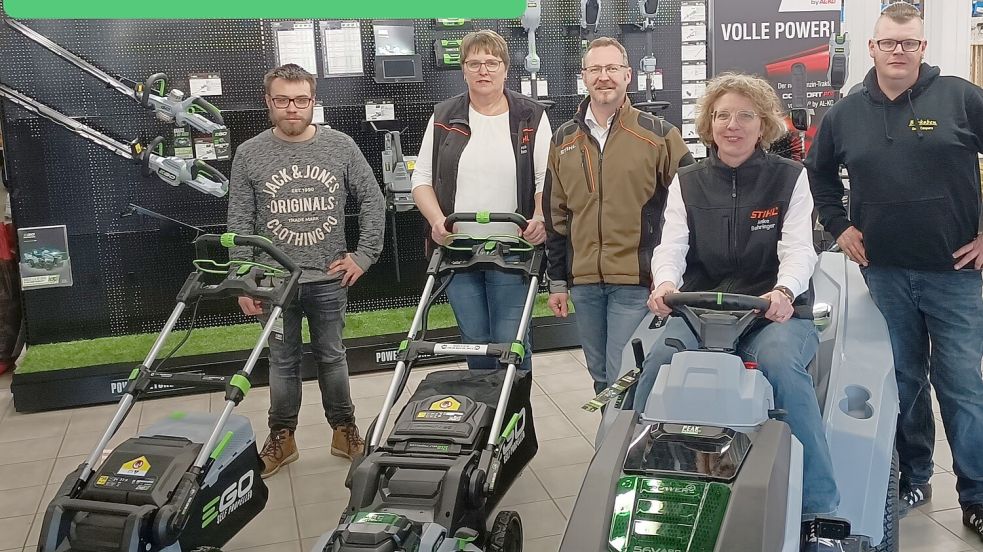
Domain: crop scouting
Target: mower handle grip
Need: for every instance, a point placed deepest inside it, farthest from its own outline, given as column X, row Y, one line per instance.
column 231, row 239
column 484, row 217
column 717, row 301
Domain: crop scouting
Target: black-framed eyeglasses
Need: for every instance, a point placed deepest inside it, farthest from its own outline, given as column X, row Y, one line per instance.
column 281, row 102
column 907, row 45
column 491, row 65
column 613, row 70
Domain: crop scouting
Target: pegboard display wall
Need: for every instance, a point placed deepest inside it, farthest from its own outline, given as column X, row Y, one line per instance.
column 128, row 269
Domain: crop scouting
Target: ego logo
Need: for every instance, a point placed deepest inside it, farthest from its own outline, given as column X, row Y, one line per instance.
column 231, row 498
column 514, row 434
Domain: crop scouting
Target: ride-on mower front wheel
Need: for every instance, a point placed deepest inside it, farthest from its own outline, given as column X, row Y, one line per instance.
column 506, row 533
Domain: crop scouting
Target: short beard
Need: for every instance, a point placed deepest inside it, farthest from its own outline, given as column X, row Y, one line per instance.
column 288, row 131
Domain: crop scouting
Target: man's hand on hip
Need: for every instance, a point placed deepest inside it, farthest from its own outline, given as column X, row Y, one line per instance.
column 851, row 241
column 970, row 254
column 349, row 269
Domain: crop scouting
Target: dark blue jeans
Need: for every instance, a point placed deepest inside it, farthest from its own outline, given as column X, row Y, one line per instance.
column 607, row 316
column 488, row 308
column 783, row 353
column 324, row 305
column 935, row 319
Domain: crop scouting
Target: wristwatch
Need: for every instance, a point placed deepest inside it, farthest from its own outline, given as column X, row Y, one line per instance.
column 787, row 292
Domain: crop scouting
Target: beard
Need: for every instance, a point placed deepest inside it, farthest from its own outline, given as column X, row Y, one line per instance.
column 292, row 127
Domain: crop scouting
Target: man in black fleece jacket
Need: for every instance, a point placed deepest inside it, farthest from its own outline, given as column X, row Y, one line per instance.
column 910, row 142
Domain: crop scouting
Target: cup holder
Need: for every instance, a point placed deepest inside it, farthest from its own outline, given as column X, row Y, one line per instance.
column 856, row 404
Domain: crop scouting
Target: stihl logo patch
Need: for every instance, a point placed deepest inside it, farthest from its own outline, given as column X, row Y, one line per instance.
column 764, row 213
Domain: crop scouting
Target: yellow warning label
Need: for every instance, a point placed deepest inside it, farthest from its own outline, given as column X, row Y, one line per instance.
column 421, row 414
column 137, row 466
column 446, row 404
column 102, row 480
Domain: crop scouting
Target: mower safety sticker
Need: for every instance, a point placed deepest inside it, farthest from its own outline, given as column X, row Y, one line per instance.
column 137, row 467
column 439, row 416
column 446, row 404
column 126, row 483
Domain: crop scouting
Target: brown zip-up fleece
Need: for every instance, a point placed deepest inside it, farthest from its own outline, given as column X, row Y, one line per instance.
column 604, row 208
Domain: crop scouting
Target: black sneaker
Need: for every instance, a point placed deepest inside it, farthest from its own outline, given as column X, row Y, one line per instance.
column 913, row 496
column 973, row 518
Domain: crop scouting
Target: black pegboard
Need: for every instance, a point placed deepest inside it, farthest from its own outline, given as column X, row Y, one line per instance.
column 128, row 269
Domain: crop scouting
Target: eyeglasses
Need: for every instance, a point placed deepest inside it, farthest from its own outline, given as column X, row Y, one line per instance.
column 612, row 70
column 491, row 65
column 280, row 102
column 908, row 45
column 744, row 117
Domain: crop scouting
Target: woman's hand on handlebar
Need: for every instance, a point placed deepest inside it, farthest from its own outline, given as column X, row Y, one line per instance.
column 781, row 308
column 437, row 231
column 657, row 301
column 250, row 306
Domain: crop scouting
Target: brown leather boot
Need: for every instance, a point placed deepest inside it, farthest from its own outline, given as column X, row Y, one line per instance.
column 346, row 442
column 280, row 449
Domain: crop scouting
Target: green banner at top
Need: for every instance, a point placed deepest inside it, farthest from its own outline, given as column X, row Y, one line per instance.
column 263, row 9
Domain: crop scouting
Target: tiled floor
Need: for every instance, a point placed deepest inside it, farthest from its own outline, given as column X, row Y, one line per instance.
column 38, row 450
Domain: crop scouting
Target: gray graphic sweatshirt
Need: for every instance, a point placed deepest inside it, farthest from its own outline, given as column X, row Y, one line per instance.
column 294, row 193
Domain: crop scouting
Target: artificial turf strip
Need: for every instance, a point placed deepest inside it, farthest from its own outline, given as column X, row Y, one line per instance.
column 134, row 348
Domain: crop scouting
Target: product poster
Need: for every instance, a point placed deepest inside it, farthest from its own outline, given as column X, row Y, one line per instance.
column 775, row 39
column 44, row 260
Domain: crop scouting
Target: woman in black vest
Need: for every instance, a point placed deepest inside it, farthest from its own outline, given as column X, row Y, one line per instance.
column 485, row 150
column 740, row 221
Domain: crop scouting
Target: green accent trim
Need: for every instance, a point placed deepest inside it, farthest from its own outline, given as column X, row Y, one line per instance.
column 161, row 87
column 134, row 374
column 375, row 517
column 511, row 427
column 221, row 445
column 205, row 265
column 516, row 243
column 404, row 344
column 482, row 217
column 208, row 521
column 463, row 542
column 213, row 502
column 490, row 245
column 518, row 349
column 720, row 298
column 242, row 382
column 178, row 415
column 667, row 514
column 228, row 239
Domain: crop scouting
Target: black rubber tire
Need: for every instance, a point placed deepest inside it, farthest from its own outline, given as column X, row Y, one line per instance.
column 892, row 524
column 506, row 533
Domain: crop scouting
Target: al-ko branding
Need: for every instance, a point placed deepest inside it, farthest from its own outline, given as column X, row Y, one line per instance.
column 809, row 5
column 303, row 200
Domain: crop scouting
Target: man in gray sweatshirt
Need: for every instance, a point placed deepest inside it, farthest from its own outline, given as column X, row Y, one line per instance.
column 290, row 184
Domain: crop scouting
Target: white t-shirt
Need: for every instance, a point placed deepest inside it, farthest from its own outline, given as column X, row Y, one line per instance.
column 486, row 171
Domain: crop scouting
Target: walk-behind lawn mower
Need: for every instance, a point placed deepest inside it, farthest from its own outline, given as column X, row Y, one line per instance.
column 463, row 437
column 190, row 481
column 710, row 466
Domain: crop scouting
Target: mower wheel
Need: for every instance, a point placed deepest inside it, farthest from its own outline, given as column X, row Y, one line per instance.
column 506, row 533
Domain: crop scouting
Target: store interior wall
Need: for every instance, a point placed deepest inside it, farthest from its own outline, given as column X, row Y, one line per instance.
column 128, row 269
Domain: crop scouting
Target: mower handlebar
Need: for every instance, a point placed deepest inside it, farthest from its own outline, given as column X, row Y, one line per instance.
column 484, row 217
column 230, row 239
